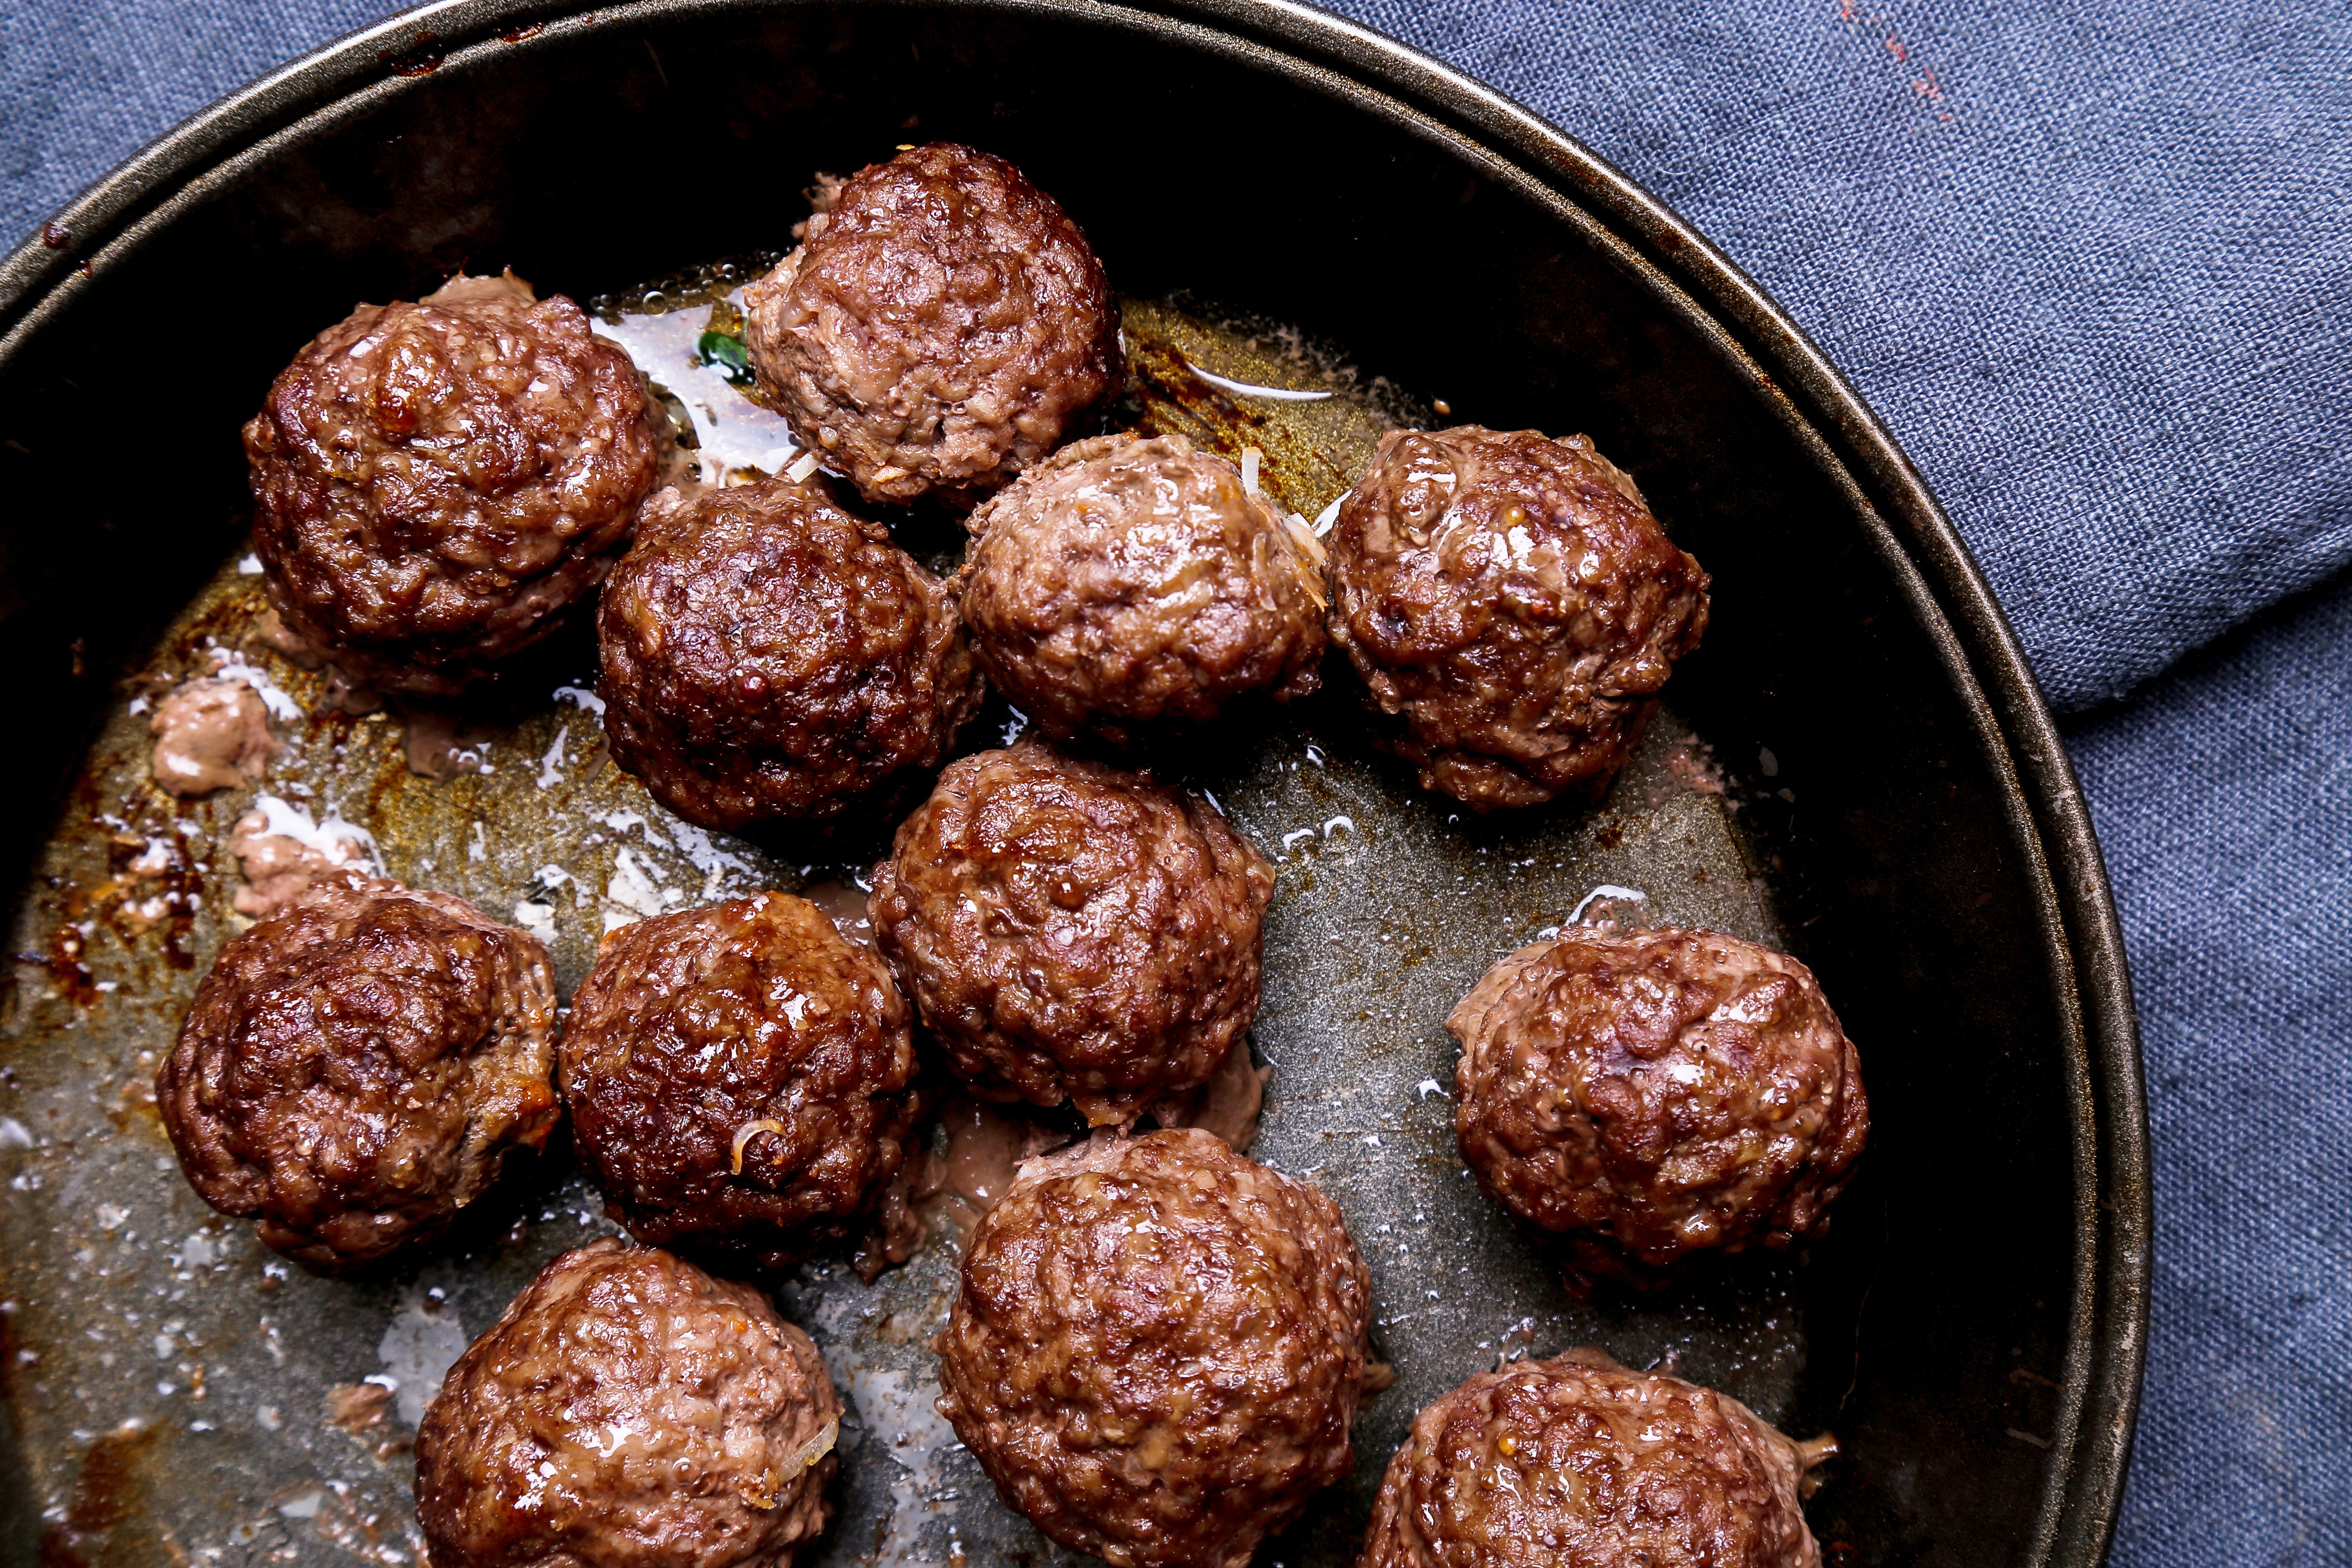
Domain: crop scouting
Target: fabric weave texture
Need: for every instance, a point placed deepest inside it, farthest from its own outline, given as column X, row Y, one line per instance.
column 2092, row 262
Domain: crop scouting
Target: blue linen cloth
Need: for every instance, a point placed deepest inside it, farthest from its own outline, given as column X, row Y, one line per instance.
column 2091, row 260
column 2224, row 797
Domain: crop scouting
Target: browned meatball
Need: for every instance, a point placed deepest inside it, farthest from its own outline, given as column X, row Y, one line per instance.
column 1071, row 931
column 1157, row 1349
column 356, row 1066
column 433, row 483
column 1656, row 1093
column 1127, row 582
column 943, row 327
column 1577, row 1459
column 628, row 1411
column 1513, row 606
column 766, row 656
column 740, row 1079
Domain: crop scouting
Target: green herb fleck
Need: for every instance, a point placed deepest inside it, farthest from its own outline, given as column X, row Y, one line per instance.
column 719, row 348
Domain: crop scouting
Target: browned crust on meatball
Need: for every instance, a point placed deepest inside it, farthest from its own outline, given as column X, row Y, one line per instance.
column 1513, row 606
column 1577, row 1459
column 355, row 1068
column 433, row 483
column 628, row 1411
column 944, row 326
column 1069, row 931
column 1157, row 1349
column 750, row 1028
column 1129, row 581
column 1658, row 1093
column 766, row 656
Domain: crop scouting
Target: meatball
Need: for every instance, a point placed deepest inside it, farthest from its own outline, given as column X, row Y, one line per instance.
column 1157, row 1349
column 1513, row 606
column 628, row 1411
column 1577, row 1459
column 740, row 1081
column 943, row 327
column 765, row 656
column 356, row 1066
column 1653, row 1094
column 433, row 483
column 1127, row 581
column 1071, row 931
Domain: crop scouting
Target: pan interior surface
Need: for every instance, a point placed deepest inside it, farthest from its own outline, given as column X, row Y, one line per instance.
column 1822, row 781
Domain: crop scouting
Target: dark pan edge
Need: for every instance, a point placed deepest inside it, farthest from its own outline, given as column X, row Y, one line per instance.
column 1924, row 552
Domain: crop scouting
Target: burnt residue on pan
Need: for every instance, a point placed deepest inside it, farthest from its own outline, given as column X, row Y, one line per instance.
column 182, row 1395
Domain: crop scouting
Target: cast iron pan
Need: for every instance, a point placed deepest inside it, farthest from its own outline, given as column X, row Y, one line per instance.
column 1856, row 767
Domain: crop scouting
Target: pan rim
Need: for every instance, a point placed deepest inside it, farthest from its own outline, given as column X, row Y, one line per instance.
column 1918, row 542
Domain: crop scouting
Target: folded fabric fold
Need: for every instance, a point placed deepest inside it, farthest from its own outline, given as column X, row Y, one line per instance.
column 2223, row 799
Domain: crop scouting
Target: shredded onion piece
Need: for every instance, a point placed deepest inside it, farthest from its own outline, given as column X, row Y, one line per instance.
column 816, row 1448
column 1606, row 890
column 1312, row 548
column 1249, row 469
column 748, row 1130
column 1820, row 1451
column 1327, row 516
column 1251, row 389
column 802, row 467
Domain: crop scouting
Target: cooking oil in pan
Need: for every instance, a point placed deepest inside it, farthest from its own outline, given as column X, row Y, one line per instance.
column 180, row 1394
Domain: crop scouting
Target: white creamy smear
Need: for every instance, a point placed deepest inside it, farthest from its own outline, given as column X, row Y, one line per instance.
column 537, row 916
column 726, row 874
column 733, row 431
column 228, row 667
column 633, row 895
column 342, row 843
column 899, row 1413
column 550, row 766
column 426, row 1339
